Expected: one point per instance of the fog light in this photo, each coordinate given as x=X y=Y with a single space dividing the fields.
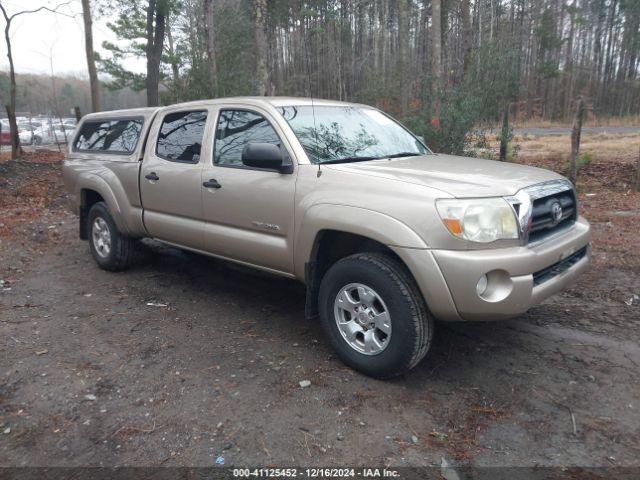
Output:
x=481 y=286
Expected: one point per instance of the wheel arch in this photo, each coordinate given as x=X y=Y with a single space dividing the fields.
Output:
x=332 y=232
x=95 y=189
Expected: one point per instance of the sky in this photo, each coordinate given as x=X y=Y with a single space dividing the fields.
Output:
x=37 y=38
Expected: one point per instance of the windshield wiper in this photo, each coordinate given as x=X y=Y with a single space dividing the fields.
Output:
x=364 y=159
x=404 y=154
x=349 y=160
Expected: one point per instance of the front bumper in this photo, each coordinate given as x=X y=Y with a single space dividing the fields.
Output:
x=518 y=277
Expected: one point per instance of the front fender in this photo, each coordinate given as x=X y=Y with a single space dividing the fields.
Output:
x=356 y=220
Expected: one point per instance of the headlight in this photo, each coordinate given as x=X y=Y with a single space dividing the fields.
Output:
x=481 y=220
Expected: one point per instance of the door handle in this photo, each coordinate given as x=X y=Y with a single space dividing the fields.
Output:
x=152 y=176
x=213 y=183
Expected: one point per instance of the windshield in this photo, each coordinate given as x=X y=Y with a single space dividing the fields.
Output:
x=349 y=134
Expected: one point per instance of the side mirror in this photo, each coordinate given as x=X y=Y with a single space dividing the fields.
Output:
x=267 y=156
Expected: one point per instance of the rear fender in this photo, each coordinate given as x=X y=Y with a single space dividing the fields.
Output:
x=124 y=215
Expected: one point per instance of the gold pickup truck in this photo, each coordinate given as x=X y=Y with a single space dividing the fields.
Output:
x=386 y=235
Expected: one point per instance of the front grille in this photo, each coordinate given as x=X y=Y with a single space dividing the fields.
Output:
x=543 y=222
x=557 y=268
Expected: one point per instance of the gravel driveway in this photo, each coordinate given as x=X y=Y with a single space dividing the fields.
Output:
x=183 y=360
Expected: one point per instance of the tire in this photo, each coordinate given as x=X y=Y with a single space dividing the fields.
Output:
x=36 y=141
x=119 y=254
x=410 y=325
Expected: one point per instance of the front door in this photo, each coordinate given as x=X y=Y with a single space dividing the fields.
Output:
x=170 y=178
x=248 y=212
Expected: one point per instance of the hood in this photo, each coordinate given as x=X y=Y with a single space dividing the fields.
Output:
x=458 y=176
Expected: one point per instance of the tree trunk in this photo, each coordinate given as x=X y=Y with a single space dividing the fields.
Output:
x=466 y=34
x=175 y=68
x=262 y=74
x=436 y=61
x=403 y=44
x=575 y=140
x=210 y=47
x=155 y=40
x=16 y=151
x=568 y=88
x=91 y=60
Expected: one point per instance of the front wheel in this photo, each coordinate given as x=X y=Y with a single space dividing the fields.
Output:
x=111 y=249
x=374 y=315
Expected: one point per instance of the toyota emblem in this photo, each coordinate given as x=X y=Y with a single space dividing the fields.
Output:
x=556 y=212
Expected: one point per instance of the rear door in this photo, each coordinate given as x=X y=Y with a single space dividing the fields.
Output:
x=249 y=212
x=170 y=177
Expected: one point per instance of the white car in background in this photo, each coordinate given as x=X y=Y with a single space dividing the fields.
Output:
x=45 y=134
x=26 y=131
x=63 y=133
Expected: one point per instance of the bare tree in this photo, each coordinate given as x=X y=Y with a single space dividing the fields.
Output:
x=174 y=62
x=16 y=150
x=91 y=58
x=467 y=35
x=210 y=47
x=156 y=22
x=262 y=74
x=403 y=50
x=436 y=61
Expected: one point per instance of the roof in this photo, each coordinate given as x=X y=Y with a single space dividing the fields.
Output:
x=129 y=112
x=273 y=101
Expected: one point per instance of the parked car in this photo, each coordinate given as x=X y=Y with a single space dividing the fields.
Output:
x=5 y=136
x=62 y=133
x=26 y=132
x=386 y=235
x=46 y=134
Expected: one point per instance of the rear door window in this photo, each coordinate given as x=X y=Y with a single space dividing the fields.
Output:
x=180 y=136
x=113 y=136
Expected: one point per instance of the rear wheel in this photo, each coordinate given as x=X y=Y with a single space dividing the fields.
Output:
x=374 y=315
x=36 y=140
x=110 y=249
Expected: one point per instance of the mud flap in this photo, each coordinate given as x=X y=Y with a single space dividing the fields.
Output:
x=311 y=279
x=82 y=218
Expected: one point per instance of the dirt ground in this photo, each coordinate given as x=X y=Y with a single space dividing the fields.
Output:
x=183 y=359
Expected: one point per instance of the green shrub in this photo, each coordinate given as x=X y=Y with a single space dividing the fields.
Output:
x=585 y=159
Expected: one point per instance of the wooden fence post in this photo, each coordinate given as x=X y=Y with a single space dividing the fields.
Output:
x=575 y=140
x=638 y=173
x=504 y=135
